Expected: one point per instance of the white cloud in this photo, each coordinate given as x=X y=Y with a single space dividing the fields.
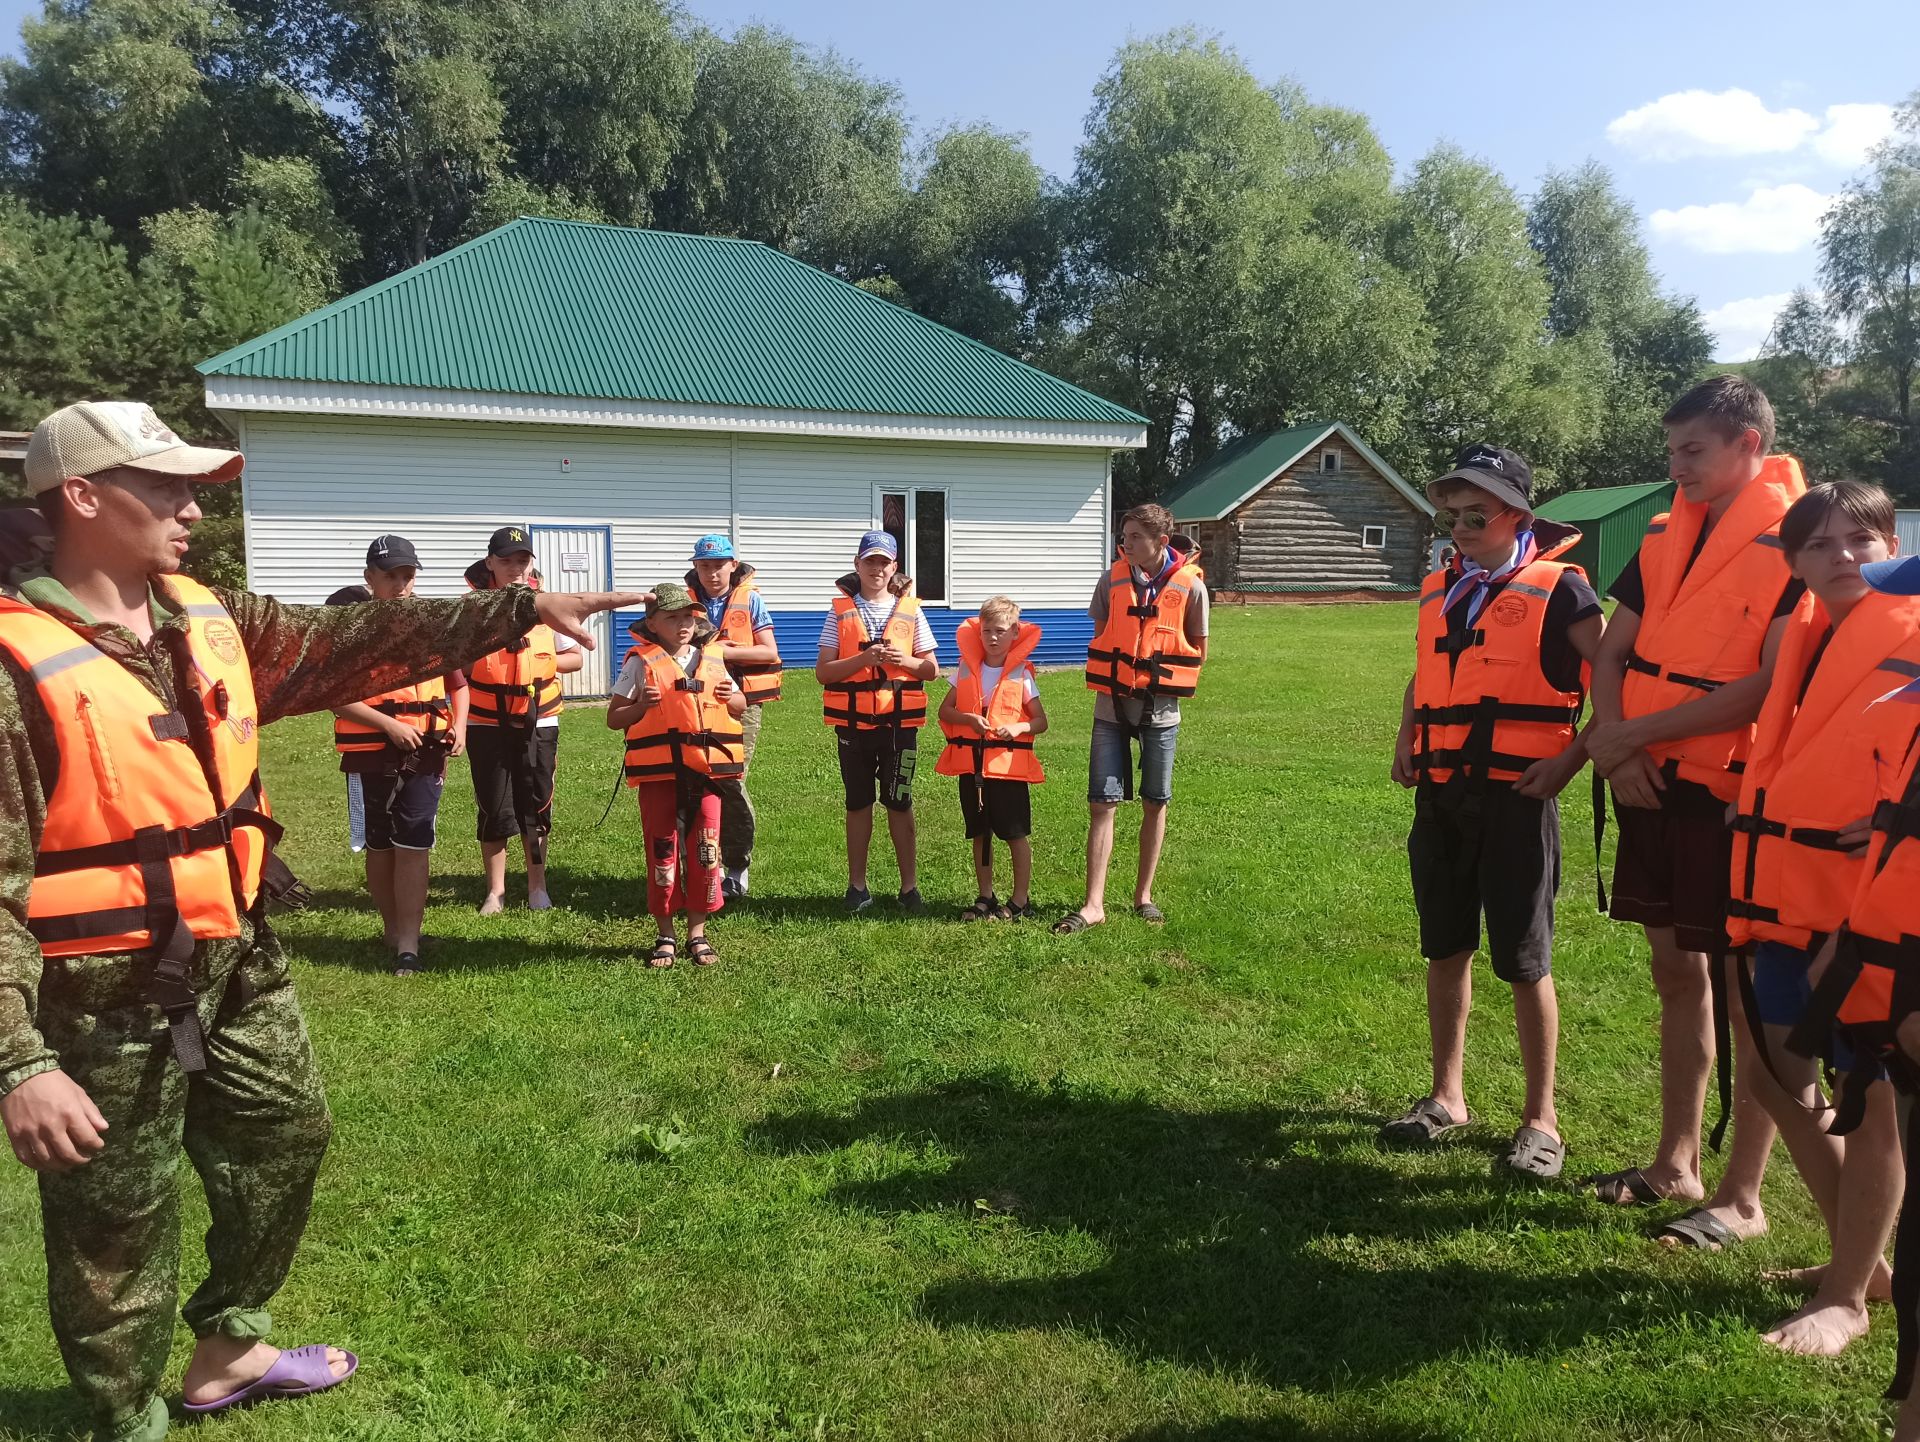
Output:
x=1773 y=220
x=1853 y=130
x=1740 y=325
x=1690 y=123
x=1695 y=124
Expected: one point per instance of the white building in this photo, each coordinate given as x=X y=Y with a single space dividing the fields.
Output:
x=626 y=391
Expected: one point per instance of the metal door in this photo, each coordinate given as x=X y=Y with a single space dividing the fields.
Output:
x=580 y=558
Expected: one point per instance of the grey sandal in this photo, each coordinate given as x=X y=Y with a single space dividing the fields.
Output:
x=1421 y=1125
x=1698 y=1230
x=1535 y=1154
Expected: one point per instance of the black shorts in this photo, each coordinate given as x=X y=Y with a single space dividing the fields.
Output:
x=991 y=804
x=1495 y=853
x=512 y=786
x=878 y=763
x=1674 y=865
x=402 y=809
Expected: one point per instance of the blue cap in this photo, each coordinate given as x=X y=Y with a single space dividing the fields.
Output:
x=713 y=548
x=1898 y=577
x=877 y=543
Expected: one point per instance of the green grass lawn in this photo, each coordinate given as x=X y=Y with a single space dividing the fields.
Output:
x=888 y=1179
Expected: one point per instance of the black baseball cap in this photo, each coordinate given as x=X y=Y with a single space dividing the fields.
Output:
x=510 y=541
x=1495 y=470
x=389 y=553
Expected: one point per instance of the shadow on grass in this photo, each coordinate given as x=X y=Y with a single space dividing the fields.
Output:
x=1276 y=1243
x=41 y=1414
x=1282 y=1429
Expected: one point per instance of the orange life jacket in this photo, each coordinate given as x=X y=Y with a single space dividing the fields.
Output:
x=1482 y=704
x=1820 y=754
x=759 y=681
x=967 y=752
x=1143 y=649
x=893 y=696
x=1705 y=624
x=689 y=732
x=423 y=706
x=517 y=684
x=156 y=815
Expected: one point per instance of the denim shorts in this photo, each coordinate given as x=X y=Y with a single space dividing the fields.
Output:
x=1110 y=763
x=1782 y=991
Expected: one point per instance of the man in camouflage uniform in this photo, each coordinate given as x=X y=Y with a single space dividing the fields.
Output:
x=91 y=1093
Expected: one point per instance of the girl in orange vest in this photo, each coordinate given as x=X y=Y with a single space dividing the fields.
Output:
x=990 y=716
x=1824 y=741
x=681 y=711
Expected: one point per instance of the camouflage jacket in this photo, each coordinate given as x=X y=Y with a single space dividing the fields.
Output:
x=304 y=658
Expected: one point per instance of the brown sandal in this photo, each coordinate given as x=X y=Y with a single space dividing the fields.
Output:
x=663 y=953
x=700 y=951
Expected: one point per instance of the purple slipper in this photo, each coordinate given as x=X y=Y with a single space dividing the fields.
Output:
x=294 y=1373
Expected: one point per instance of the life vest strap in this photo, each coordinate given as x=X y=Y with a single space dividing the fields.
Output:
x=413 y=708
x=214 y=832
x=1456 y=642
x=1752 y=911
x=880 y=683
x=170 y=726
x=1470 y=711
x=1813 y=837
x=1637 y=662
x=1466 y=758
x=1898 y=820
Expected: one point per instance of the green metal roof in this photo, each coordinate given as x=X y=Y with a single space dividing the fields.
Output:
x=1599 y=502
x=1231 y=475
x=563 y=308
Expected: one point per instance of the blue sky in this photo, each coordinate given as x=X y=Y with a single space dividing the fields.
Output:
x=1727 y=143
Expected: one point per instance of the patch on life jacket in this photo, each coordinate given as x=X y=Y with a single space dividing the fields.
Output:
x=1508 y=611
x=224 y=640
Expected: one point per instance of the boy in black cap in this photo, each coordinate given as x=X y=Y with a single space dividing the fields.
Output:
x=395 y=746
x=1488 y=739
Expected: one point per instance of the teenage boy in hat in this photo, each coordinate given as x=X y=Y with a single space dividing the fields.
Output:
x=395 y=746
x=128 y=1031
x=1488 y=739
x=724 y=585
x=1686 y=663
x=513 y=729
x=876 y=657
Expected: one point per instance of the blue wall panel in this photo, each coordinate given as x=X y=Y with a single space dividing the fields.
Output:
x=1063 y=640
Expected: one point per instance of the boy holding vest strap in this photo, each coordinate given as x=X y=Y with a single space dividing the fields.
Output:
x=724 y=586
x=1149 y=615
x=682 y=714
x=1824 y=742
x=145 y=1004
x=1488 y=739
x=1687 y=660
x=876 y=657
x=396 y=746
x=513 y=737
x=991 y=715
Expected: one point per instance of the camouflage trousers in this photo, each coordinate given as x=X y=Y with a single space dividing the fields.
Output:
x=737 y=820
x=255 y=1126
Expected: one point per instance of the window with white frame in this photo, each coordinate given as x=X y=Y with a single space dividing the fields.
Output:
x=917 y=519
x=1374 y=538
x=1329 y=460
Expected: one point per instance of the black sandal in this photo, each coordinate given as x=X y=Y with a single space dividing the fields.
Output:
x=700 y=951
x=1698 y=1230
x=665 y=950
x=1623 y=1188
x=982 y=908
x=1020 y=913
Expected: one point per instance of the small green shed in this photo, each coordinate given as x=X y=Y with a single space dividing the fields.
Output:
x=1612 y=520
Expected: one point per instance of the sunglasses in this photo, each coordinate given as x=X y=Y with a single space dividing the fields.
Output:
x=1445 y=520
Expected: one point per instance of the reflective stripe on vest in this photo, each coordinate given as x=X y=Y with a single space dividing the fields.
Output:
x=891 y=696
x=690 y=731
x=517 y=684
x=1481 y=702
x=1817 y=763
x=1705 y=624
x=423 y=706
x=1143 y=649
x=968 y=753
x=157 y=821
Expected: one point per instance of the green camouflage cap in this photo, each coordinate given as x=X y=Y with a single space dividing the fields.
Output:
x=671 y=596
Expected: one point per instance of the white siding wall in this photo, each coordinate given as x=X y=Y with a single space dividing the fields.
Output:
x=1025 y=520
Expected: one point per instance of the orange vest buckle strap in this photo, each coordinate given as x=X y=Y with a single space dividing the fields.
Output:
x=516 y=685
x=895 y=697
x=1143 y=649
x=423 y=706
x=689 y=734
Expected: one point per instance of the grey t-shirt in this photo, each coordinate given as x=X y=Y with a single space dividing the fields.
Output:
x=1148 y=710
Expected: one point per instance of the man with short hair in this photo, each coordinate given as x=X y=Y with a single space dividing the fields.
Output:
x=1150 y=640
x=144 y=1001
x=1678 y=681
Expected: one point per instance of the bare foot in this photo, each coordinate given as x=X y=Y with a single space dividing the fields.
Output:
x=539 y=901
x=221 y=1366
x=1808 y=1279
x=1745 y=1223
x=493 y=905
x=1819 y=1329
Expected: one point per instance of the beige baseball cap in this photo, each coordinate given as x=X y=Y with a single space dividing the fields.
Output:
x=94 y=436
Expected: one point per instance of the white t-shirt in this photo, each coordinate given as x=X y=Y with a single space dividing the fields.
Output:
x=561 y=645
x=875 y=615
x=990 y=677
x=628 y=686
